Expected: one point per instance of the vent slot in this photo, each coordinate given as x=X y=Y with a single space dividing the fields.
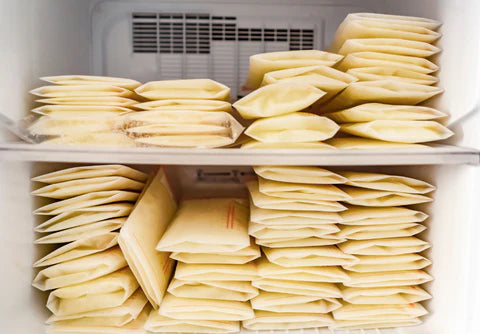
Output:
x=191 y=33
x=265 y=35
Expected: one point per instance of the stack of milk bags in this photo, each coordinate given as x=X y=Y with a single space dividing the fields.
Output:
x=184 y=113
x=93 y=290
x=211 y=287
x=294 y=216
x=389 y=56
x=291 y=82
x=383 y=288
x=85 y=110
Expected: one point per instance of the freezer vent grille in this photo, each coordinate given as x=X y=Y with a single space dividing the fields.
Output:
x=193 y=33
x=171 y=33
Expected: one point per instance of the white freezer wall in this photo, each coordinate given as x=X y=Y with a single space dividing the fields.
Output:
x=38 y=38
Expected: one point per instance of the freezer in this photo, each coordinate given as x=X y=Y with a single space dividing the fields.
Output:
x=211 y=43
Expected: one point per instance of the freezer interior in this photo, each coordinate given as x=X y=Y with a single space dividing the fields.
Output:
x=53 y=37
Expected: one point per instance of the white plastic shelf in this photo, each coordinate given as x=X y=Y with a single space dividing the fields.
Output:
x=436 y=155
x=324 y=331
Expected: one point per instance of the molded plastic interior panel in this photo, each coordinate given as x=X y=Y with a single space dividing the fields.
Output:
x=39 y=38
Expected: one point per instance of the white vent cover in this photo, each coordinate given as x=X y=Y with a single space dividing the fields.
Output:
x=192 y=33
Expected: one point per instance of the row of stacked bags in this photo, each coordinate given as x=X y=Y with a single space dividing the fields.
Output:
x=278 y=107
x=92 y=289
x=211 y=288
x=390 y=56
x=184 y=113
x=371 y=86
x=83 y=110
x=339 y=249
x=107 y=111
x=296 y=228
